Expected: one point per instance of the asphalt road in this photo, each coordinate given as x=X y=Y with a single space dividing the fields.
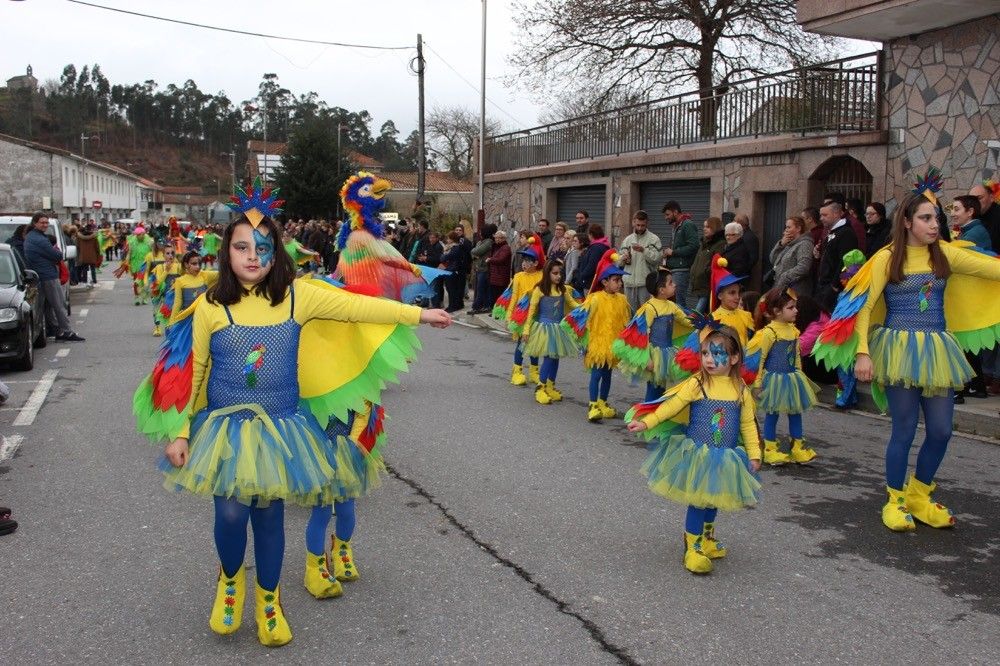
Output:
x=506 y=532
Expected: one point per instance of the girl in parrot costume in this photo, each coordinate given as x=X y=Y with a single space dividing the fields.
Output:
x=513 y=304
x=904 y=320
x=648 y=345
x=187 y=287
x=238 y=390
x=543 y=336
x=138 y=245
x=162 y=284
x=210 y=246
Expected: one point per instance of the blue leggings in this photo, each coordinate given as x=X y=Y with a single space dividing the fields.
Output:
x=268 y=537
x=696 y=518
x=550 y=368
x=319 y=519
x=600 y=383
x=904 y=405
x=653 y=392
x=519 y=356
x=771 y=426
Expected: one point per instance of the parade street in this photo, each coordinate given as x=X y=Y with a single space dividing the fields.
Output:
x=506 y=532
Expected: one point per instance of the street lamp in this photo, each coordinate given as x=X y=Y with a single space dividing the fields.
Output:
x=83 y=156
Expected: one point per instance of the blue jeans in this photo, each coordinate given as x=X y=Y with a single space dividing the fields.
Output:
x=682 y=278
x=479 y=301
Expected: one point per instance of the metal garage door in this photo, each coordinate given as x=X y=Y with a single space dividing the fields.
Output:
x=692 y=195
x=775 y=214
x=591 y=198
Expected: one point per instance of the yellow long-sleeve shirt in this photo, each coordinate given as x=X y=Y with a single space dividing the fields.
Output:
x=609 y=314
x=715 y=388
x=165 y=269
x=657 y=307
x=765 y=338
x=522 y=284
x=187 y=281
x=740 y=320
x=962 y=262
x=536 y=298
x=311 y=302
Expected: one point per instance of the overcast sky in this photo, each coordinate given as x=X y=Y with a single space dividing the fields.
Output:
x=48 y=34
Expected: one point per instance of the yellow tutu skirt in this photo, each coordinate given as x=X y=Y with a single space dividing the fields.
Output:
x=931 y=360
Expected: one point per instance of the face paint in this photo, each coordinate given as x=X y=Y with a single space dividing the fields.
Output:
x=719 y=354
x=265 y=248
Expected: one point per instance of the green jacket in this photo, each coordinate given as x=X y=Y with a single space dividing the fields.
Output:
x=685 y=245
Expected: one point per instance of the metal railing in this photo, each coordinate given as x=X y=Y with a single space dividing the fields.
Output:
x=833 y=97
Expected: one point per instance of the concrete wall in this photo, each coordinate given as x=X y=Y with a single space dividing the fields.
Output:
x=943 y=96
x=27 y=175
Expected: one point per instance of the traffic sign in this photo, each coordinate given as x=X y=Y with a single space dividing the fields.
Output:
x=96 y=204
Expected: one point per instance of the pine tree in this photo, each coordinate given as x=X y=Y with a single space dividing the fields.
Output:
x=310 y=174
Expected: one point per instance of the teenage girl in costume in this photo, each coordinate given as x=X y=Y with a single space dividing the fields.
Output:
x=550 y=301
x=251 y=444
x=781 y=387
x=933 y=295
x=705 y=467
x=597 y=324
x=646 y=346
x=513 y=304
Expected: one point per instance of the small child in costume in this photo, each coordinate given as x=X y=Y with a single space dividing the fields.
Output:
x=847 y=383
x=137 y=246
x=513 y=305
x=162 y=284
x=545 y=338
x=210 y=246
x=781 y=387
x=647 y=346
x=597 y=324
x=724 y=300
x=187 y=287
x=705 y=466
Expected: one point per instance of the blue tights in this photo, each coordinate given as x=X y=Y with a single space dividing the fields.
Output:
x=904 y=405
x=549 y=370
x=519 y=356
x=653 y=392
x=771 y=426
x=600 y=383
x=696 y=518
x=320 y=519
x=268 y=537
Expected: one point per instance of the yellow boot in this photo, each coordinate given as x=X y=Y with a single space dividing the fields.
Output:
x=772 y=456
x=344 y=567
x=272 y=627
x=517 y=377
x=923 y=508
x=607 y=411
x=541 y=396
x=550 y=389
x=895 y=515
x=157 y=331
x=533 y=375
x=801 y=453
x=712 y=548
x=318 y=580
x=230 y=595
x=594 y=413
x=695 y=560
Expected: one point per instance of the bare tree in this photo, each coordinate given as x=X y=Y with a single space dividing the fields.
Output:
x=656 y=47
x=452 y=132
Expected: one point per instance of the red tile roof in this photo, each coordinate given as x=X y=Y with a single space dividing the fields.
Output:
x=182 y=189
x=435 y=181
x=269 y=147
x=363 y=161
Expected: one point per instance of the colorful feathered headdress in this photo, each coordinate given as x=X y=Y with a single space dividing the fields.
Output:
x=721 y=278
x=534 y=250
x=606 y=267
x=929 y=185
x=255 y=202
x=993 y=187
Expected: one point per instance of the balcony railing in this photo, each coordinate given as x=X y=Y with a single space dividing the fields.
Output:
x=833 y=97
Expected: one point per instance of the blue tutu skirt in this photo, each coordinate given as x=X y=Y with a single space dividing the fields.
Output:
x=549 y=341
x=244 y=453
x=786 y=393
x=689 y=473
x=931 y=360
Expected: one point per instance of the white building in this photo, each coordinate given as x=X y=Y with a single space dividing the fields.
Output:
x=38 y=177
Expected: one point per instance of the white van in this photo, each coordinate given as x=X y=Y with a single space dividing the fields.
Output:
x=10 y=222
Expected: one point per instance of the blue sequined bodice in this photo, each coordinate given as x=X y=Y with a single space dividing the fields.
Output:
x=189 y=294
x=916 y=303
x=781 y=358
x=550 y=309
x=715 y=422
x=274 y=382
x=661 y=334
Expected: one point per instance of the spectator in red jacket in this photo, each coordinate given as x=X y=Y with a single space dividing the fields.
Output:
x=499 y=265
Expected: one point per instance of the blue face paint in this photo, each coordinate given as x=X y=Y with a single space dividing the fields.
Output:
x=719 y=354
x=265 y=248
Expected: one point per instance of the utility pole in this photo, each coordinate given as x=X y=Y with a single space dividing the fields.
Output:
x=422 y=165
x=481 y=213
x=340 y=128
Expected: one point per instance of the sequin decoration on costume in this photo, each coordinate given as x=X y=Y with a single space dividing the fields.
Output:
x=925 y=294
x=718 y=423
x=269 y=611
x=230 y=602
x=254 y=362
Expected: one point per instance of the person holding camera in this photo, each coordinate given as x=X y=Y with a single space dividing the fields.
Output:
x=639 y=255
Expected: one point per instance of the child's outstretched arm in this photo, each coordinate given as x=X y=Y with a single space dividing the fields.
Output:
x=683 y=396
x=313 y=302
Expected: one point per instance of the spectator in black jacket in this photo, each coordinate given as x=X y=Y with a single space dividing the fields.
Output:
x=736 y=252
x=877 y=228
x=840 y=239
x=584 y=275
x=16 y=240
x=429 y=252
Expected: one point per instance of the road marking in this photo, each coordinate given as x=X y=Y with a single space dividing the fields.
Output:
x=62 y=353
x=84 y=312
x=37 y=398
x=500 y=333
x=9 y=446
x=20 y=381
x=107 y=285
x=79 y=321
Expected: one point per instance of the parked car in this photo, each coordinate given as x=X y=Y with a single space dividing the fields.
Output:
x=10 y=222
x=22 y=322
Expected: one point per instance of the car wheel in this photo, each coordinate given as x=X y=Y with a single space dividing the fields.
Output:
x=26 y=361
x=42 y=338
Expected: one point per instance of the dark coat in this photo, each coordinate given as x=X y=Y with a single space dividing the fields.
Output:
x=585 y=270
x=701 y=269
x=991 y=220
x=41 y=256
x=499 y=264
x=838 y=243
x=738 y=256
x=87 y=251
x=876 y=237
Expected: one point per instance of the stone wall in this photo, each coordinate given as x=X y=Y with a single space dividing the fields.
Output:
x=25 y=178
x=943 y=97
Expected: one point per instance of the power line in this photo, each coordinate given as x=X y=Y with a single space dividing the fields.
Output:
x=472 y=85
x=240 y=32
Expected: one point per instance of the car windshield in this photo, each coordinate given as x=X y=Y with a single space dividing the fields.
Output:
x=7 y=231
x=8 y=269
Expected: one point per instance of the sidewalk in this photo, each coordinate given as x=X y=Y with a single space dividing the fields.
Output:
x=975 y=417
